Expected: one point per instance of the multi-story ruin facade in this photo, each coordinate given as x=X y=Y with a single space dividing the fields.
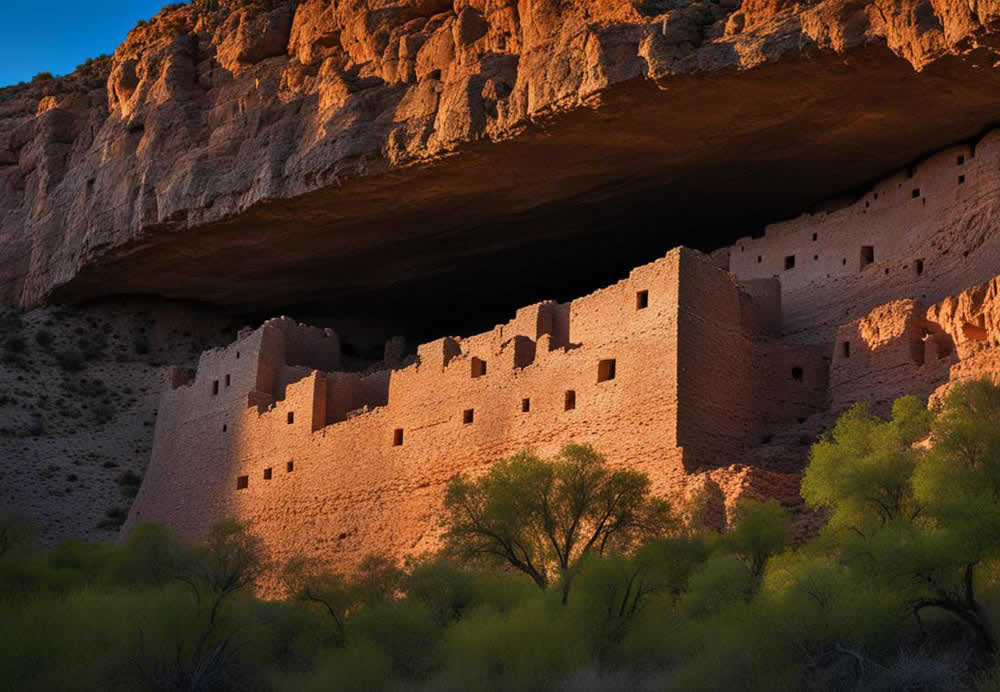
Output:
x=688 y=370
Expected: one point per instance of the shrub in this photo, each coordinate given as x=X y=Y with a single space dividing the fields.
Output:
x=113 y=519
x=450 y=591
x=14 y=344
x=70 y=361
x=103 y=413
x=129 y=482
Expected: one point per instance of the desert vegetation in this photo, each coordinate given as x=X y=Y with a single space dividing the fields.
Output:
x=898 y=590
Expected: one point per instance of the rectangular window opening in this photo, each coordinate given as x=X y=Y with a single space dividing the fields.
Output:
x=641 y=300
x=960 y=160
x=227 y=380
x=478 y=367
x=291 y=417
x=606 y=370
x=961 y=180
x=242 y=482
x=916 y=193
x=468 y=415
x=215 y=387
x=918 y=266
x=525 y=405
x=790 y=262
x=290 y=466
x=867 y=255
x=815 y=236
x=397 y=437
x=570 y=401
x=845 y=349
x=268 y=474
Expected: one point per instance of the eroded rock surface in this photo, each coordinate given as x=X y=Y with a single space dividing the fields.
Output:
x=261 y=154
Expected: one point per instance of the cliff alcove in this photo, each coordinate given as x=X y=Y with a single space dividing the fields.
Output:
x=449 y=163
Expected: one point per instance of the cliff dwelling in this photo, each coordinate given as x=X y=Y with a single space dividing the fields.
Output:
x=467 y=206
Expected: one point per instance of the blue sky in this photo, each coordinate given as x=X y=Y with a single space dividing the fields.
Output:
x=56 y=36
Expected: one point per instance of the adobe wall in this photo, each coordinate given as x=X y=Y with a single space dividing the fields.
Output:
x=931 y=229
x=734 y=382
x=338 y=465
x=717 y=377
x=903 y=348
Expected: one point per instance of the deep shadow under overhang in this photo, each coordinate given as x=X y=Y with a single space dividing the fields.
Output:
x=571 y=204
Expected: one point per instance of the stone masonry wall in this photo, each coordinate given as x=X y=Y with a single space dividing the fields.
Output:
x=925 y=233
x=903 y=348
x=336 y=465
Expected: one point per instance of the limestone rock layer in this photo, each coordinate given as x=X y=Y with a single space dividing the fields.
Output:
x=285 y=151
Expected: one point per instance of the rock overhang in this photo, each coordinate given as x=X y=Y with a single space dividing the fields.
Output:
x=696 y=146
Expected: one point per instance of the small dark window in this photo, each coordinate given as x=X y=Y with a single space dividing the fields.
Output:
x=919 y=266
x=570 y=402
x=960 y=160
x=875 y=196
x=790 y=262
x=867 y=255
x=797 y=373
x=478 y=367
x=268 y=474
x=844 y=261
x=242 y=482
x=641 y=300
x=291 y=417
x=227 y=380
x=215 y=387
x=961 y=180
x=759 y=259
x=290 y=466
x=916 y=193
x=845 y=349
x=224 y=427
x=815 y=258
x=525 y=405
x=815 y=236
x=237 y=355
x=606 y=370
x=397 y=437
x=468 y=415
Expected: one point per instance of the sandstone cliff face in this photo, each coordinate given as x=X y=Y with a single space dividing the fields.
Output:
x=256 y=153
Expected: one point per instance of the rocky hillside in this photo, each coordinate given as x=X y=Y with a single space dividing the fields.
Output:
x=261 y=153
x=79 y=389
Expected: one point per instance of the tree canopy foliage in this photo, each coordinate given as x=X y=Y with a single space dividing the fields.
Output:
x=899 y=590
x=543 y=516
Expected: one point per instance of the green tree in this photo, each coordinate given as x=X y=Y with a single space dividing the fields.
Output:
x=307 y=581
x=921 y=514
x=958 y=488
x=542 y=516
x=759 y=531
x=861 y=470
x=16 y=532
